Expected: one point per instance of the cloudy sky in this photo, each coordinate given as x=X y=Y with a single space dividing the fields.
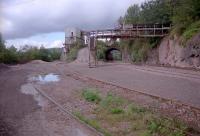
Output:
x=37 y=22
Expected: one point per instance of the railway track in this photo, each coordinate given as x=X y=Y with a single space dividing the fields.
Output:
x=67 y=111
x=168 y=72
x=196 y=110
x=78 y=76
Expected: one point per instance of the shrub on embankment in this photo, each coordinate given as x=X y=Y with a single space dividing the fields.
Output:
x=13 y=56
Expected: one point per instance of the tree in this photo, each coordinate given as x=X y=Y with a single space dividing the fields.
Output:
x=186 y=11
x=156 y=11
x=2 y=49
x=2 y=45
x=120 y=21
x=132 y=15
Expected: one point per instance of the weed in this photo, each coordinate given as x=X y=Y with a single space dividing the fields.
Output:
x=91 y=95
x=136 y=109
x=111 y=101
x=164 y=127
x=116 y=110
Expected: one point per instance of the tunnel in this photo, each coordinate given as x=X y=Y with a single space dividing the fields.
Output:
x=113 y=54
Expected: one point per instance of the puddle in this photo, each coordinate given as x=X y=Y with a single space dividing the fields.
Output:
x=28 y=89
x=51 y=77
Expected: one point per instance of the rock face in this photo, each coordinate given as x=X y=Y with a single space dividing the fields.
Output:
x=172 y=53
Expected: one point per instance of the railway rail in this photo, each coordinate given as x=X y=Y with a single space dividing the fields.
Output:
x=78 y=76
x=67 y=111
x=196 y=110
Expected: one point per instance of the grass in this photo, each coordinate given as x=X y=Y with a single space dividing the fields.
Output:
x=91 y=95
x=117 y=116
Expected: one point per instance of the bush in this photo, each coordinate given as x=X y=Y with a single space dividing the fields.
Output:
x=163 y=126
x=72 y=54
x=27 y=53
x=101 y=48
x=139 y=50
x=91 y=95
x=192 y=30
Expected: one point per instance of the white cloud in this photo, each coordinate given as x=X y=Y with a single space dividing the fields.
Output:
x=24 y=18
x=56 y=44
x=22 y=42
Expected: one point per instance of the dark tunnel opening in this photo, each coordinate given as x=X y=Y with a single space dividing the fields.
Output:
x=113 y=54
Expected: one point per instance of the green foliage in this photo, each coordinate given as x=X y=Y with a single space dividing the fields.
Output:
x=116 y=110
x=11 y=55
x=2 y=49
x=186 y=11
x=155 y=11
x=162 y=126
x=55 y=53
x=132 y=14
x=183 y=14
x=111 y=101
x=101 y=48
x=192 y=30
x=139 y=50
x=27 y=53
x=91 y=95
x=186 y=18
x=136 y=109
x=152 y=11
x=72 y=55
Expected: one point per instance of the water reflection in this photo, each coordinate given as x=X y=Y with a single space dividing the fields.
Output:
x=51 y=77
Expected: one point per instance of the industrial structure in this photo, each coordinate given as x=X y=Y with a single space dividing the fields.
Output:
x=129 y=31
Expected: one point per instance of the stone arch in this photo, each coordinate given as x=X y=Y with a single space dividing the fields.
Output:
x=109 y=55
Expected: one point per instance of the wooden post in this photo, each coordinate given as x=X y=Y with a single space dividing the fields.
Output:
x=154 y=30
